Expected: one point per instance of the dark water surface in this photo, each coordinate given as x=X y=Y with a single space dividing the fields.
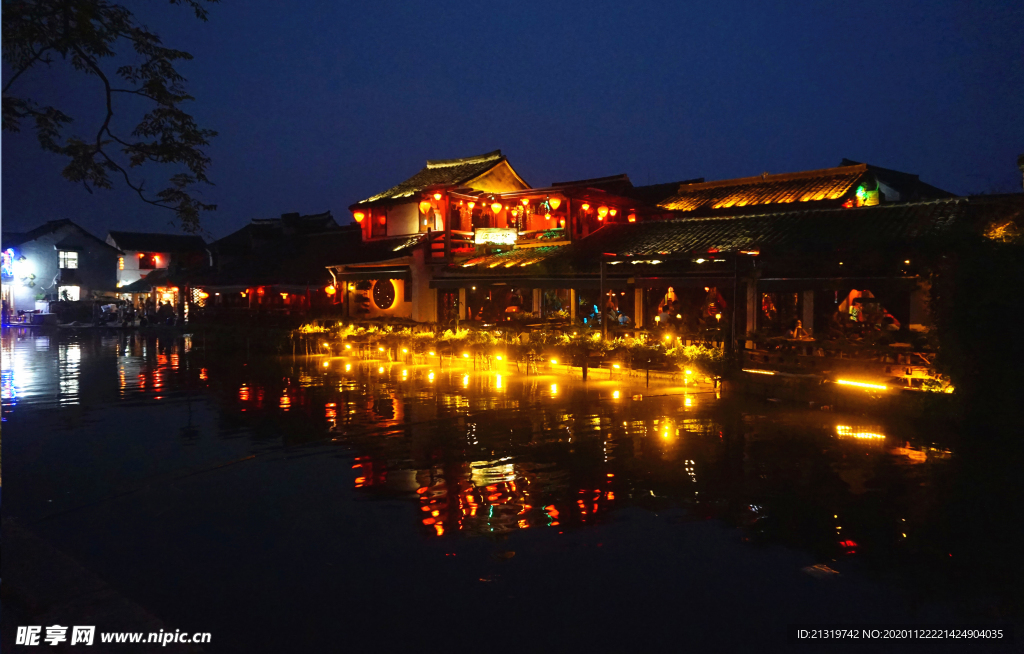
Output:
x=318 y=505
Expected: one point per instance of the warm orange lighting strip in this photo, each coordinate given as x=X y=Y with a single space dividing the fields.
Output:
x=759 y=372
x=844 y=430
x=874 y=387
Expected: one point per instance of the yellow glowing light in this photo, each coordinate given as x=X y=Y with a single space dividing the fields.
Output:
x=347 y=346
x=613 y=212
x=327 y=364
x=907 y=261
x=688 y=401
x=465 y=381
x=381 y=369
x=348 y=366
x=602 y=212
x=847 y=431
x=437 y=196
x=615 y=395
x=554 y=389
x=498 y=380
x=554 y=362
x=498 y=357
x=759 y=372
x=424 y=206
x=554 y=203
x=330 y=290
x=405 y=350
x=688 y=372
x=668 y=338
x=380 y=349
x=631 y=217
x=547 y=216
x=431 y=353
x=358 y=215
x=525 y=201
x=496 y=207
x=465 y=355
x=874 y=387
x=471 y=205
x=615 y=365
x=430 y=375
x=585 y=206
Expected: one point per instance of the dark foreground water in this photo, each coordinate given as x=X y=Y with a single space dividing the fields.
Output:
x=311 y=504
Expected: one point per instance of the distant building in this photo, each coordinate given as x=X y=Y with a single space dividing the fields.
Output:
x=56 y=261
x=276 y=265
x=145 y=252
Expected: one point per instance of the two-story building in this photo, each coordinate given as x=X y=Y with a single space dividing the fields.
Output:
x=144 y=252
x=58 y=260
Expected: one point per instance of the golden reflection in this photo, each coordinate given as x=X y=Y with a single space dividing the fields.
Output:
x=846 y=431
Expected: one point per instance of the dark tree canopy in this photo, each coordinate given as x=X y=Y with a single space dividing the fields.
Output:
x=94 y=37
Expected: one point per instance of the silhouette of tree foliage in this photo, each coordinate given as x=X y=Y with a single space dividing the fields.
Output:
x=103 y=40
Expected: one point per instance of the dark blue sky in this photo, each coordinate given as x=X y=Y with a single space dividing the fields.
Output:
x=320 y=104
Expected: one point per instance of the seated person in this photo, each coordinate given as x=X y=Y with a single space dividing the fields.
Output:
x=799 y=332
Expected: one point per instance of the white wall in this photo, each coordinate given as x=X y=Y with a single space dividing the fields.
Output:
x=404 y=219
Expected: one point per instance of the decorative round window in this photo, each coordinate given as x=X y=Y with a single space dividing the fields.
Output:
x=384 y=293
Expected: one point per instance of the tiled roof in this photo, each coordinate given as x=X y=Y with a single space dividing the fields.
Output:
x=441 y=172
x=503 y=261
x=782 y=237
x=733 y=194
x=855 y=229
x=148 y=242
x=908 y=185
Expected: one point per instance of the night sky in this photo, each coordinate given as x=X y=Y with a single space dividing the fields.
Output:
x=321 y=104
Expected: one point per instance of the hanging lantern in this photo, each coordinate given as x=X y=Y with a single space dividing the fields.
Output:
x=525 y=201
x=330 y=290
x=554 y=203
x=383 y=220
x=547 y=216
x=471 y=205
x=612 y=212
x=631 y=217
x=561 y=222
x=424 y=206
x=358 y=215
x=602 y=212
x=585 y=207
x=496 y=207
x=437 y=196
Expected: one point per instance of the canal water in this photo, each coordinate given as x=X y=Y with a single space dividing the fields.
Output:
x=319 y=504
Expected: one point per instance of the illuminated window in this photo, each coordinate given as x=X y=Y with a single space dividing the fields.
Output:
x=120 y=263
x=68 y=259
x=69 y=293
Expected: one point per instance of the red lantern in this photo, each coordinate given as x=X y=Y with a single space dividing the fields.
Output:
x=383 y=220
x=358 y=215
x=631 y=217
x=424 y=206
x=330 y=290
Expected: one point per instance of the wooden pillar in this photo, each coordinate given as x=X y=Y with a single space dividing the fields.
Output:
x=638 y=306
x=462 y=304
x=446 y=219
x=808 y=311
x=538 y=302
x=568 y=219
x=752 y=308
x=572 y=304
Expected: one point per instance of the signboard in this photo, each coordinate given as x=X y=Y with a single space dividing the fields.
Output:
x=8 y=263
x=495 y=236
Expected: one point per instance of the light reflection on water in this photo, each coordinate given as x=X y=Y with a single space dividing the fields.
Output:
x=488 y=451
